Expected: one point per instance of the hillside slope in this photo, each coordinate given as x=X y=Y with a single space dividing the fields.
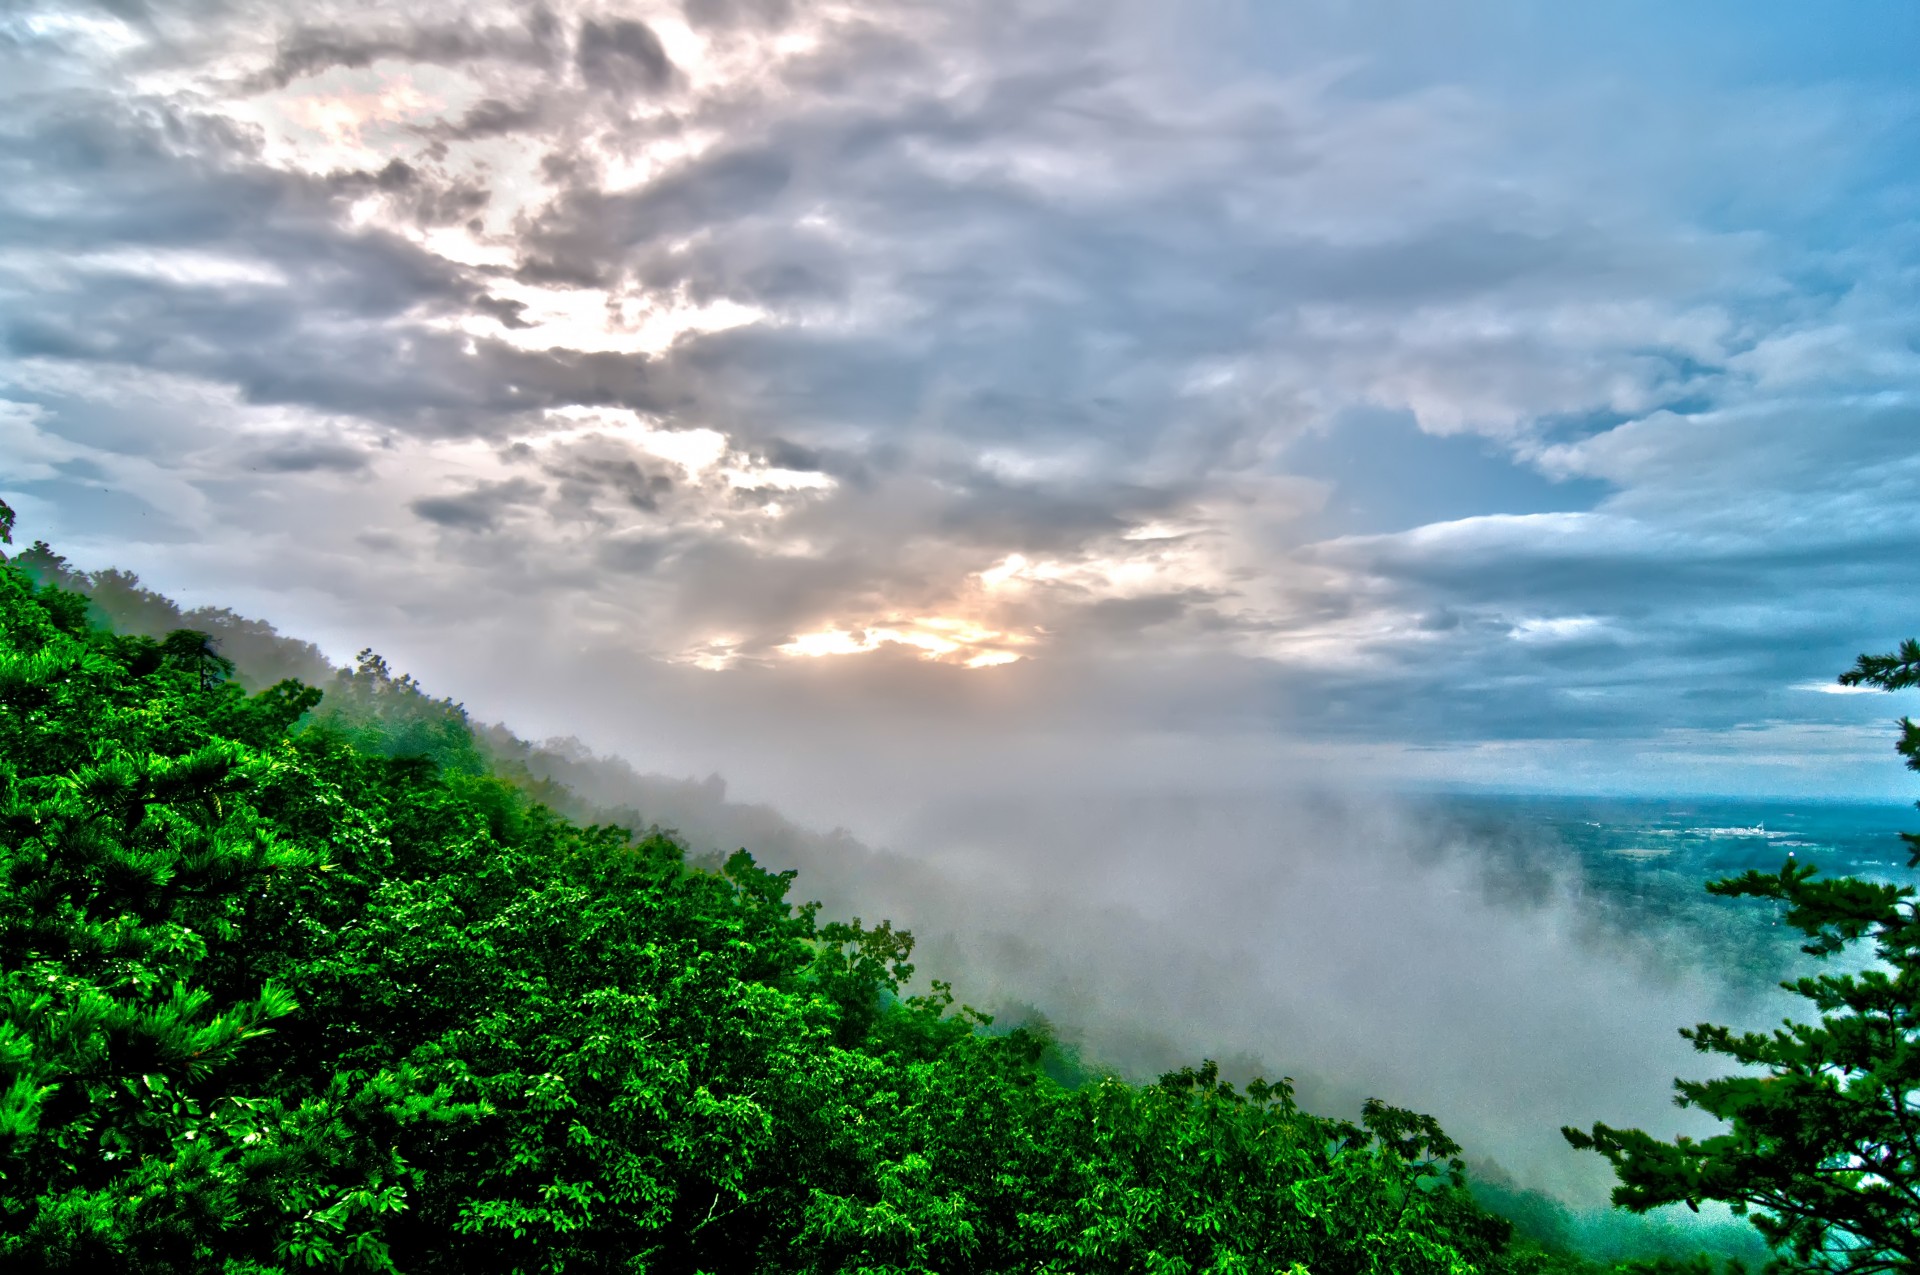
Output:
x=287 y=989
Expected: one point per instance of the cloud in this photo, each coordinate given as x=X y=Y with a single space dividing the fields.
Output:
x=492 y=117
x=756 y=14
x=309 y=50
x=308 y=457
x=479 y=509
x=1030 y=322
x=621 y=56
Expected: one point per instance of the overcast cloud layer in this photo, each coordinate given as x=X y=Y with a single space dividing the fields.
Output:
x=851 y=397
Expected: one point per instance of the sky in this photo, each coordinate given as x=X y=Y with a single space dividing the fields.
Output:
x=915 y=398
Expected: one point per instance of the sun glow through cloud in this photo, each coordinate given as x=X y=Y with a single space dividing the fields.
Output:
x=941 y=639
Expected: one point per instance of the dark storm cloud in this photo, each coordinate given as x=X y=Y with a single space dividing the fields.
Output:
x=622 y=56
x=781 y=267
x=422 y=200
x=429 y=383
x=313 y=457
x=492 y=118
x=584 y=478
x=479 y=509
x=586 y=234
x=986 y=509
x=310 y=50
x=505 y=312
x=780 y=453
x=157 y=177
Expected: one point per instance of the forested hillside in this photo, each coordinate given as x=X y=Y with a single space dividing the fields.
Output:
x=294 y=980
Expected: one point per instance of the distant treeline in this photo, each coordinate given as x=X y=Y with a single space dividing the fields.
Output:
x=302 y=978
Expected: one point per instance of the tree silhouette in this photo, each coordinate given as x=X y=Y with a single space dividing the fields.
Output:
x=197 y=653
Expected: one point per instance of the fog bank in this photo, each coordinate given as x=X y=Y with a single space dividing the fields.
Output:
x=1361 y=944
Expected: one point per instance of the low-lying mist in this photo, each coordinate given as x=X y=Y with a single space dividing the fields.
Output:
x=1362 y=945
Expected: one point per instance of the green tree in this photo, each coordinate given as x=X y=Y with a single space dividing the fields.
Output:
x=1823 y=1149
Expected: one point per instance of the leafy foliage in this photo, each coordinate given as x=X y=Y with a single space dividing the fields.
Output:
x=292 y=984
x=1824 y=1144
